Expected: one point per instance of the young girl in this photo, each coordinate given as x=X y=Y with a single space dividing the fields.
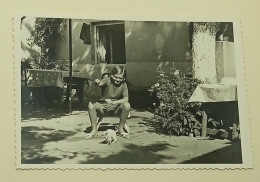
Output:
x=114 y=100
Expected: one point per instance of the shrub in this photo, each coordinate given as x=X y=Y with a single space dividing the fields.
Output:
x=45 y=35
x=173 y=114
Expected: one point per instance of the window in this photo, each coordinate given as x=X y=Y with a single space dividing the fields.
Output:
x=109 y=38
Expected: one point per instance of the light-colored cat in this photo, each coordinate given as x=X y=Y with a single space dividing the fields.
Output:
x=110 y=136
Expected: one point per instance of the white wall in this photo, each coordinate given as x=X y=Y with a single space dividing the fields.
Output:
x=225 y=60
x=27 y=25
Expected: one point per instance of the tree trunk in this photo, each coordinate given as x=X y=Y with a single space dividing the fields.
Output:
x=203 y=52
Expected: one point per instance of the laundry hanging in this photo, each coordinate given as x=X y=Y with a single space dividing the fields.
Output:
x=85 y=34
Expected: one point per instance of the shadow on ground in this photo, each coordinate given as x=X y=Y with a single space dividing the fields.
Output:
x=133 y=154
x=33 y=140
x=46 y=113
x=228 y=155
x=62 y=141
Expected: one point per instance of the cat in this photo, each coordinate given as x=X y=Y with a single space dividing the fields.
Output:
x=110 y=136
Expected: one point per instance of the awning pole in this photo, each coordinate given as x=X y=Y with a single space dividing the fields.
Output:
x=70 y=60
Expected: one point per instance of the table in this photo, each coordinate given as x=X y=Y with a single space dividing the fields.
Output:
x=214 y=93
x=43 y=78
x=78 y=82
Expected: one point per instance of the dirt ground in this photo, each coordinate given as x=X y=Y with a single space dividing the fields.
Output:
x=51 y=137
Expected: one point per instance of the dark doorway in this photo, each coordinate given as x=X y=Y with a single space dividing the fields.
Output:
x=110 y=43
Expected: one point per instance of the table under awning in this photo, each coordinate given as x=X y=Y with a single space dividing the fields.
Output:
x=45 y=85
x=44 y=78
x=224 y=92
x=214 y=93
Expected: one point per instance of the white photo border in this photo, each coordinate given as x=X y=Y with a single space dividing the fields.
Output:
x=247 y=158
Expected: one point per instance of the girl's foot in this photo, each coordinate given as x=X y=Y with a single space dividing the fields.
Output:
x=123 y=135
x=126 y=128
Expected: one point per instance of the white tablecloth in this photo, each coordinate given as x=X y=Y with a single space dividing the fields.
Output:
x=41 y=78
x=214 y=93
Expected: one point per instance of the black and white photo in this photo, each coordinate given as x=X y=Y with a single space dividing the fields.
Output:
x=112 y=93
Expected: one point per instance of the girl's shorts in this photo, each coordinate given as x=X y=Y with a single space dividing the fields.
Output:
x=110 y=109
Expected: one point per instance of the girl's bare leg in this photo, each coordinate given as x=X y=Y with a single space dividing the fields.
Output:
x=92 y=110
x=125 y=109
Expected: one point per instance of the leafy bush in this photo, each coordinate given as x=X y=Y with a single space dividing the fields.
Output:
x=173 y=114
x=46 y=33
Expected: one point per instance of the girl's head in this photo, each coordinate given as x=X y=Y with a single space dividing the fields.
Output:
x=118 y=75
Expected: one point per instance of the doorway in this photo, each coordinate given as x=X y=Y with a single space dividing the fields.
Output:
x=110 y=43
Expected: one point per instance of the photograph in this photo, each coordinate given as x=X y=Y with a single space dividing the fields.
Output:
x=135 y=93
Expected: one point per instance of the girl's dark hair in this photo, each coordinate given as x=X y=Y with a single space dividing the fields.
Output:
x=119 y=70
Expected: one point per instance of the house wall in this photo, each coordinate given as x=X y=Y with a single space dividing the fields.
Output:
x=150 y=45
x=225 y=60
x=229 y=59
x=82 y=54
